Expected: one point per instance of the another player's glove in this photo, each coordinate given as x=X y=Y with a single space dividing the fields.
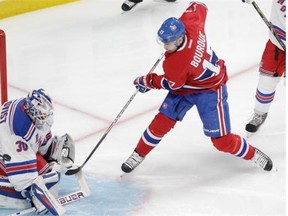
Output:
x=247 y=1
x=144 y=83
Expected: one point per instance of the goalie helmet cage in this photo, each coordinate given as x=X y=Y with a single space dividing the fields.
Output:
x=3 y=68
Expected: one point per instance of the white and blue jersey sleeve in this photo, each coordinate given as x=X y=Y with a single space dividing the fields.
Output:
x=278 y=21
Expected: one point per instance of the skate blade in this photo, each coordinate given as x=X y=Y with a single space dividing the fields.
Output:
x=274 y=168
x=249 y=134
x=123 y=175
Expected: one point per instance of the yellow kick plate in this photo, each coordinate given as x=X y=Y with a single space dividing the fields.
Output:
x=10 y=8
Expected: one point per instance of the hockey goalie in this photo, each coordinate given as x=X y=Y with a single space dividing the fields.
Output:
x=31 y=159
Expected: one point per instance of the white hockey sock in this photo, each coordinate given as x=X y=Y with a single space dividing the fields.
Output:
x=265 y=93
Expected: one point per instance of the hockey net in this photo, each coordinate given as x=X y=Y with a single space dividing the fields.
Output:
x=3 y=68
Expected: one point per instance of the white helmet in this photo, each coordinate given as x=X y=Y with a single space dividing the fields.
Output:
x=39 y=107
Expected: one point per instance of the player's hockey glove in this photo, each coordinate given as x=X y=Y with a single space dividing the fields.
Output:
x=247 y=1
x=144 y=83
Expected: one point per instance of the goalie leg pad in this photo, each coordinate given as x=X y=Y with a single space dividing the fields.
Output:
x=43 y=199
x=51 y=181
x=10 y=198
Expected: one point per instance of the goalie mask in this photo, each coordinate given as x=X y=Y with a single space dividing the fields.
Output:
x=39 y=107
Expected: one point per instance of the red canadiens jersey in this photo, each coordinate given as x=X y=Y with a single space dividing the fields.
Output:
x=194 y=67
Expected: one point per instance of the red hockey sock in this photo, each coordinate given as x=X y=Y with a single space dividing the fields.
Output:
x=159 y=126
x=234 y=144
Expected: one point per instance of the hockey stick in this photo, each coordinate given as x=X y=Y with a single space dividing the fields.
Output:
x=83 y=192
x=269 y=25
x=73 y=171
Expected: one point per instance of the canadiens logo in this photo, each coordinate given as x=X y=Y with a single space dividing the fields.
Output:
x=164 y=105
x=173 y=27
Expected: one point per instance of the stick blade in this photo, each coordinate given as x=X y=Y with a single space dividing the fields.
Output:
x=74 y=170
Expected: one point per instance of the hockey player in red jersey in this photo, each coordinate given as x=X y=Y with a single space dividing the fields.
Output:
x=193 y=76
x=272 y=67
x=31 y=159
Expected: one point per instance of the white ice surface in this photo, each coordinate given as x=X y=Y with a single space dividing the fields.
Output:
x=86 y=55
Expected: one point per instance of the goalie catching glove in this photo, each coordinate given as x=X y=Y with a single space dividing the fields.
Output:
x=63 y=150
x=144 y=83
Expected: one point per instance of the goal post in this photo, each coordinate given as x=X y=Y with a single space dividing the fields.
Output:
x=3 y=68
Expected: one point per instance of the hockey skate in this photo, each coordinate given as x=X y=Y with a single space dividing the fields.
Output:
x=262 y=160
x=132 y=162
x=129 y=4
x=256 y=121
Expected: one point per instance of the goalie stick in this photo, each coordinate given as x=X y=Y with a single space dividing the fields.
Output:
x=269 y=25
x=75 y=170
x=83 y=192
